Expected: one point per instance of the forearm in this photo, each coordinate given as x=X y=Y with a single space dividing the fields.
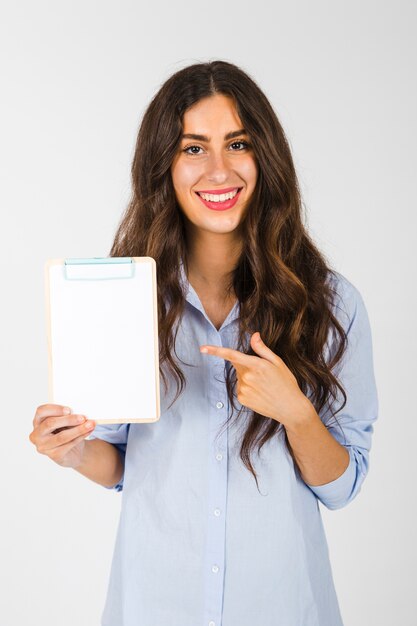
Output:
x=102 y=463
x=320 y=458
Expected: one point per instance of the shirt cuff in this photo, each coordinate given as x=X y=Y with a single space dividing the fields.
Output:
x=337 y=493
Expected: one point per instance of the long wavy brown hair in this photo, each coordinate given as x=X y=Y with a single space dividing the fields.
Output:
x=281 y=279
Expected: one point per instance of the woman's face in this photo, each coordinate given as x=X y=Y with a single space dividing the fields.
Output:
x=214 y=162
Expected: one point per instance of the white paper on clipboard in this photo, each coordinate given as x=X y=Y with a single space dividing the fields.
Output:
x=102 y=333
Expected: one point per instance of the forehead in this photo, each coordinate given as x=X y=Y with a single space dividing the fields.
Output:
x=217 y=112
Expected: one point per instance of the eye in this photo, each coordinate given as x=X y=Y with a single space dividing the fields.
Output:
x=189 y=148
x=243 y=143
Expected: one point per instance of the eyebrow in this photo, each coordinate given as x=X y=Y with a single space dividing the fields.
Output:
x=231 y=135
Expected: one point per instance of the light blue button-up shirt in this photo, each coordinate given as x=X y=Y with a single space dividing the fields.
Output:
x=197 y=544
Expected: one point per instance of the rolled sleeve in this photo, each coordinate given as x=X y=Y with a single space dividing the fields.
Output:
x=354 y=426
x=117 y=434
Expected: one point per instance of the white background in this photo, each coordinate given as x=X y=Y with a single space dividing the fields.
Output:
x=76 y=78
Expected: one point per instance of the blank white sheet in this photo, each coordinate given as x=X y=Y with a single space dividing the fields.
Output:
x=103 y=339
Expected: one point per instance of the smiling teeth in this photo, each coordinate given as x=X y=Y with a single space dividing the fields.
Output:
x=218 y=197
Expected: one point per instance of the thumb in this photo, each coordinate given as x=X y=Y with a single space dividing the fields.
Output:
x=261 y=349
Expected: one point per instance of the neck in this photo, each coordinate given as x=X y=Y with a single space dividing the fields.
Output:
x=211 y=259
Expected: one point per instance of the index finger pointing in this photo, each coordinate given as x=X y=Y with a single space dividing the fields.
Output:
x=234 y=356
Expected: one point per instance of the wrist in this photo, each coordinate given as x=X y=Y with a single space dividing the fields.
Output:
x=306 y=417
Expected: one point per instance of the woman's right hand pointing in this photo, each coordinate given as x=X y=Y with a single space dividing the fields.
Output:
x=60 y=434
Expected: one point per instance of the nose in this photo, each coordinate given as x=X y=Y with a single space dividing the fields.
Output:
x=217 y=170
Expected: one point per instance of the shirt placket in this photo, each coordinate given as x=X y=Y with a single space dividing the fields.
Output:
x=217 y=489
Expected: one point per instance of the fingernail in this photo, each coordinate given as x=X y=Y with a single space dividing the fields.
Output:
x=203 y=350
x=67 y=410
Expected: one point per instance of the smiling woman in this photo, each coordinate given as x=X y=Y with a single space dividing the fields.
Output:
x=220 y=523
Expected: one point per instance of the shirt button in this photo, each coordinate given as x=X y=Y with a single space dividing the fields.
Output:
x=219 y=456
x=215 y=569
x=217 y=512
x=219 y=405
x=211 y=624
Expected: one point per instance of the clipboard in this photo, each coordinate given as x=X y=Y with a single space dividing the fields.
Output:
x=102 y=337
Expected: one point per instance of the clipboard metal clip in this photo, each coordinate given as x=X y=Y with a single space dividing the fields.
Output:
x=99 y=268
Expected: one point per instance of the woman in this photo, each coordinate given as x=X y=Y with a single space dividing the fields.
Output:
x=220 y=522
